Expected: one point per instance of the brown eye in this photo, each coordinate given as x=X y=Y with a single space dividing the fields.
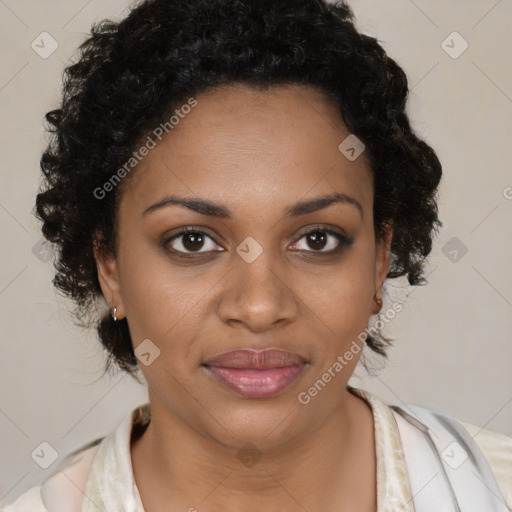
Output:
x=193 y=241
x=190 y=241
x=316 y=240
x=322 y=241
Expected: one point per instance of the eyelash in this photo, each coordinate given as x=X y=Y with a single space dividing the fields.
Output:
x=343 y=241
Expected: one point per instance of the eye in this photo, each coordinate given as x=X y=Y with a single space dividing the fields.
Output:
x=190 y=241
x=320 y=238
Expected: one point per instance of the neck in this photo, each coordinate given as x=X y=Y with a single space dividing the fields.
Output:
x=333 y=464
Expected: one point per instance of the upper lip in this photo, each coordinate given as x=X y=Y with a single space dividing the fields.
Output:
x=256 y=359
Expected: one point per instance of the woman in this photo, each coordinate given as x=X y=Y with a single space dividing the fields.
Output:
x=237 y=180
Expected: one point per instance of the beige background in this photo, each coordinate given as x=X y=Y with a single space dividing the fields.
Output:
x=454 y=349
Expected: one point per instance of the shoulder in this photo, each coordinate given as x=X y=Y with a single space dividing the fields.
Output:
x=497 y=449
x=29 y=501
x=63 y=490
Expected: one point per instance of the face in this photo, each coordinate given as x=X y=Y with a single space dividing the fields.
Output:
x=263 y=266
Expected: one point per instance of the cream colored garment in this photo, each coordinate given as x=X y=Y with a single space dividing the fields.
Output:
x=111 y=487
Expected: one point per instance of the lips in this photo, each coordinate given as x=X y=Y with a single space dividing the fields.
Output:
x=256 y=359
x=256 y=374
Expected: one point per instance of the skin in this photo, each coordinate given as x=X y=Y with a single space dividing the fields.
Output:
x=319 y=456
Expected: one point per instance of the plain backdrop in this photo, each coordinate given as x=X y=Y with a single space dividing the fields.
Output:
x=453 y=350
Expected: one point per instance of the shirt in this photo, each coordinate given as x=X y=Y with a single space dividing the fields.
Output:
x=110 y=484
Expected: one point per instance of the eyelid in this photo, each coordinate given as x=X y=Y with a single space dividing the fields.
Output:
x=344 y=240
x=326 y=229
x=183 y=231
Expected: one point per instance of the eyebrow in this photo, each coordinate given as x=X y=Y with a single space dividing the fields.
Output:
x=213 y=209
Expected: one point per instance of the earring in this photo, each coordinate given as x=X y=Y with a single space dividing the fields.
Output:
x=114 y=317
x=378 y=300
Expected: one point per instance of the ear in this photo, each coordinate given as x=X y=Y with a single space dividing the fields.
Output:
x=382 y=259
x=108 y=277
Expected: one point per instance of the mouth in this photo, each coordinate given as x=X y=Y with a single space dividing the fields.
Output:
x=256 y=374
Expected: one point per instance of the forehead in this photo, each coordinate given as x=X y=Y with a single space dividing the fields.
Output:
x=250 y=145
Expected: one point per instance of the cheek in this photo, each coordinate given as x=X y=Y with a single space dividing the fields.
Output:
x=342 y=303
x=163 y=302
x=341 y=298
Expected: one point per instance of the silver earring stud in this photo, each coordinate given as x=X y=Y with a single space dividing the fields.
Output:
x=114 y=311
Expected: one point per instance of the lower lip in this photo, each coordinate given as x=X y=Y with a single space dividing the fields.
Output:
x=251 y=383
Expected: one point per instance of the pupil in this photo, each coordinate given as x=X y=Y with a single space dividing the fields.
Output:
x=318 y=240
x=193 y=241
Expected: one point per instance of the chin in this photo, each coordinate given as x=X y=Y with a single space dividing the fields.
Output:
x=263 y=423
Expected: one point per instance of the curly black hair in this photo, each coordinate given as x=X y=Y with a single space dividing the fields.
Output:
x=129 y=77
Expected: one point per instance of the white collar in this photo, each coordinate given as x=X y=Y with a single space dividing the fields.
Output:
x=111 y=484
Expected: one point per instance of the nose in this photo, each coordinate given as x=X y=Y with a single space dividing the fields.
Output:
x=258 y=295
